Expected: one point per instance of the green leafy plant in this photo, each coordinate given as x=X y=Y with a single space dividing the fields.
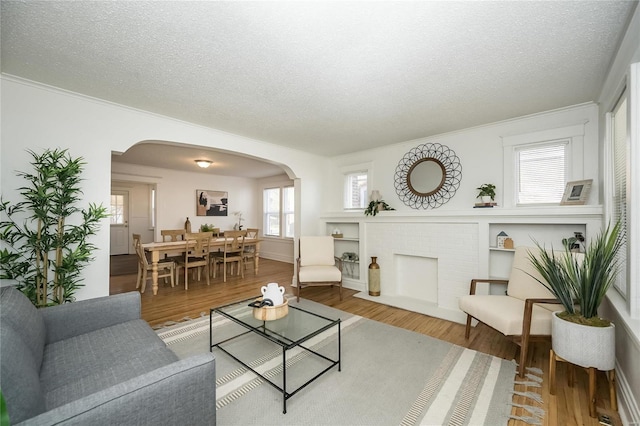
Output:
x=487 y=190
x=375 y=206
x=580 y=284
x=46 y=234
x=207 y=228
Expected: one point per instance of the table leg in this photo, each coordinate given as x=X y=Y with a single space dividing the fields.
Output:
x=284 y=381
x=155 y=258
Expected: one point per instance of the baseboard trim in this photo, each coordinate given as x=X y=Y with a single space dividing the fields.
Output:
x=627 y=405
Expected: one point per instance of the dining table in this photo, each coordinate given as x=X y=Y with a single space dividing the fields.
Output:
x=156 y=249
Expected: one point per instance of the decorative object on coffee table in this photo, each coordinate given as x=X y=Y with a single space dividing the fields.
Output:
x=374 y=277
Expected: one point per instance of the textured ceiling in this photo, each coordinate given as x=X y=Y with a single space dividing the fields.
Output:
x=324 y=77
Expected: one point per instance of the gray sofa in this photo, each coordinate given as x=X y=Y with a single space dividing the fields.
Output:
x=96 y=362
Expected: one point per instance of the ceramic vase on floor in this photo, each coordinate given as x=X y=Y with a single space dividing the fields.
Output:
x=374 y=278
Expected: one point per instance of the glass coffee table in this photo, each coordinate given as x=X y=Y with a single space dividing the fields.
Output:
x=291 y=331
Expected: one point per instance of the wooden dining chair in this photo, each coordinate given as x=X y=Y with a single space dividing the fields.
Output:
x=196 y=255
x=233 y=253
x=250 y=251
x=166 y=268
x=172 y=234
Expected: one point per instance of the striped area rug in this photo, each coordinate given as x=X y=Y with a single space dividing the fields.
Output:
x=390 y=376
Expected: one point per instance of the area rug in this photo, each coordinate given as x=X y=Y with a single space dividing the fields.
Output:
x=390 y=376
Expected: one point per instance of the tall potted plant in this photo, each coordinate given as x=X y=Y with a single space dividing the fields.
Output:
x=46 y=235
x=580 y=283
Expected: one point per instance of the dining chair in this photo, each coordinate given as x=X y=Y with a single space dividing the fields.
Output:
x=172 y=234
x=317 y=263
x=233 y=253
x=196 y=255
x=250 y=251
x=166 y=268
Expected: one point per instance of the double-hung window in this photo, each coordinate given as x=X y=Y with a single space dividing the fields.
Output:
x=279 y=211
x=355 y=191
x=620 y=158
x=541 y=172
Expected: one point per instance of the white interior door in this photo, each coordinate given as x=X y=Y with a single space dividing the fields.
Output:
x=119 y=222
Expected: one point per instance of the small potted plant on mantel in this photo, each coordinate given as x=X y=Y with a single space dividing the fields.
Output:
x=376 y=206
x=487 y=193
x=580 y=283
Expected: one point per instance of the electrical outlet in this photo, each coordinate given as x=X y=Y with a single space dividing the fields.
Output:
x=605 y=420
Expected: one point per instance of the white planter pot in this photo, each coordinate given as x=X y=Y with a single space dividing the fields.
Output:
x=584 y=345
x=486 y=199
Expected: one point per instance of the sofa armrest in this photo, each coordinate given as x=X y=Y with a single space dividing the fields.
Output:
x=72 y=319
x=183 y=392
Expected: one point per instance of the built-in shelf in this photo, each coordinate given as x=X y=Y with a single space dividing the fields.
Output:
x=500 y=249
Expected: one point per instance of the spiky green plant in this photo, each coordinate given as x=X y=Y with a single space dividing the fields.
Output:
x=582 y=282
x=44 y=250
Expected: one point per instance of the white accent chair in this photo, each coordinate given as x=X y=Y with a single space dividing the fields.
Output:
x=317 y=264
x=523 y=314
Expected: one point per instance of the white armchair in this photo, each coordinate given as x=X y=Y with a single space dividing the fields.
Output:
x=317 y=264
x=523 y=314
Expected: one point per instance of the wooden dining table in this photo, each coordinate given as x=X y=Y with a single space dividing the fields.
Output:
x=156 y=249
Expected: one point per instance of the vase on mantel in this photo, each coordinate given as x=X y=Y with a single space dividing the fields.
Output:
x=374 y=277
x=187 y=226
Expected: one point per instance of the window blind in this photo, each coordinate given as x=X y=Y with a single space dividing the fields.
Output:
x=620 y=170
x=541 y=172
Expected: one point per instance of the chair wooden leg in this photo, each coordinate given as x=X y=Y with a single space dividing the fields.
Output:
x=552 y=372
x=298 y=288
x=340 y=290
x=592 y=392
x=172 y=272
x=186 y=278
x=523 y=356
x=138 y=280
x=467 y=330
x=143 y=283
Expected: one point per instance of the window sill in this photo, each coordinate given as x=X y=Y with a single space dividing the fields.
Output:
x=631 y=325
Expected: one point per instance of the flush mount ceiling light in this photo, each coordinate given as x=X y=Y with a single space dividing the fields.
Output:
x=203 y=163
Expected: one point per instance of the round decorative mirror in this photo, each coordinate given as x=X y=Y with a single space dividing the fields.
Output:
x=428 y=176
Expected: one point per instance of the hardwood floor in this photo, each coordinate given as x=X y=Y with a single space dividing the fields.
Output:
x=568 y=407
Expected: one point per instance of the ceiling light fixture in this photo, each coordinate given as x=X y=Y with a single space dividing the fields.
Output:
x=203 y=163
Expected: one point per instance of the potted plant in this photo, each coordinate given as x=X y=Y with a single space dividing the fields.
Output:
x=487 y=192
x=580 y=282
x=376 y=206
x=46 y=236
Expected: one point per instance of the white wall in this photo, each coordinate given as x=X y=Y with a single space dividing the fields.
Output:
x=615 y=308
x=480 y=150
x=38 y=117
x=176 y=196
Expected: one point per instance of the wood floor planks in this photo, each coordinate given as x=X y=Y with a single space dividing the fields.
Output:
x=568 y=407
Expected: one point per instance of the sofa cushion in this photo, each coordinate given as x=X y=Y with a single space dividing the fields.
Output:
x=505 y=314
x=19 y=376
x=90 y=362
x=18 y=312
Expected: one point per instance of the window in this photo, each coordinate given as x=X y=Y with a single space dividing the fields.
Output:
x=152 y=203
x=279 y=217
x=541 y=172
x=117 y=209
x=355 y=190
x=620 y=156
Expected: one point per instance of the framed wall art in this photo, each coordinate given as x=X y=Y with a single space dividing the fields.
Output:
x=577 y=192
x=211 y=203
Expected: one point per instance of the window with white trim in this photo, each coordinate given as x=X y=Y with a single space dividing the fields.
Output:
x=541 y=172
x=620 y=157
x=117 y=209
x=356 y=190
x=279 y=211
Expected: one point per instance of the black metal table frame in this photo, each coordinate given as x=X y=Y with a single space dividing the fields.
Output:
x=285 y=347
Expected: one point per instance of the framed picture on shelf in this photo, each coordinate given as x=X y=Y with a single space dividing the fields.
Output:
x=211 y=203
x=577 y=192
